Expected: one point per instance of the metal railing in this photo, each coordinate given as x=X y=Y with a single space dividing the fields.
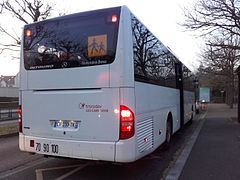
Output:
x=8 y=110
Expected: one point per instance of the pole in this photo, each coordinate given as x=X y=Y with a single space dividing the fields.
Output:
x=238 y=72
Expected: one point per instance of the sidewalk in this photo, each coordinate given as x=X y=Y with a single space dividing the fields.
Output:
x=216 y=152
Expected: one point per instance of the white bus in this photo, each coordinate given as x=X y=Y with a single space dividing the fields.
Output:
x=99 y=85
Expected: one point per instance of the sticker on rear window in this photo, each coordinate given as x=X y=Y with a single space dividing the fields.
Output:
x=97 y=45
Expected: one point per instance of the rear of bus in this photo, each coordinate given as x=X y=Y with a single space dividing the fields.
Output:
x=77 y=87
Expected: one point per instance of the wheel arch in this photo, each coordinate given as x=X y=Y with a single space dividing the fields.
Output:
x=170 y=118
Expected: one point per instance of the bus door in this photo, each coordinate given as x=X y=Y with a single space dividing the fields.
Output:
x=179 y=79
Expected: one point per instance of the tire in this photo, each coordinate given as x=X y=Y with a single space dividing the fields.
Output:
x=191 y=119
x=197 y=111
x=168 y=131
x=168 y=134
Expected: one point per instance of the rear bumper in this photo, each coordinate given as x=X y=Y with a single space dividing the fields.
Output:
x=121 y=151
x=69 y=148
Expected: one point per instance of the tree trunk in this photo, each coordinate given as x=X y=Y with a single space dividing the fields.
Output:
x=231 y=88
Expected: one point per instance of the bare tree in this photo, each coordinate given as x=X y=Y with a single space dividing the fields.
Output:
x=26 y=11
x=222 y=62
x=215 y=18
x=219 y=22
x=212 y=16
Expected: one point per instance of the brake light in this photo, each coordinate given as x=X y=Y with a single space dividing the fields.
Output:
x=20 y=118
x=28 y=33
x=114 y=18
x=126 y=123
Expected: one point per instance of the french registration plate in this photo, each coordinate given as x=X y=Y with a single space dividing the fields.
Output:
x=65 y=124
x=47 y=148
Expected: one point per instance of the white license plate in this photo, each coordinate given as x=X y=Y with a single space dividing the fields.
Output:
x=47 y=148
x=65 y=124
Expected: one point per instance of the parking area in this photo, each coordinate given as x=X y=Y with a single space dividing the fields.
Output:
x=21 y=166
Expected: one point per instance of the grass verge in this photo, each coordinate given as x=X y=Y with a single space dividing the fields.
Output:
x=9 y=129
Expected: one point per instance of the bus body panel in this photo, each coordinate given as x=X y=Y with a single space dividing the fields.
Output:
x=22 y=72
x=126 y=151
x=153 y=104
x=69 y=148
x=90 y=108
x=75 y=78
x=121 y=70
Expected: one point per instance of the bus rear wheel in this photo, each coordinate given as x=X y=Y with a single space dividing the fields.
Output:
x=168 y=133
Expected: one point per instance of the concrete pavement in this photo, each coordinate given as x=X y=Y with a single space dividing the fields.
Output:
x=216 y=152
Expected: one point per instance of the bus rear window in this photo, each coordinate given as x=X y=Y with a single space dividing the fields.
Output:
x=83 y=39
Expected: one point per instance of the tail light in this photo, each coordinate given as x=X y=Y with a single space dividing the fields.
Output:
x=28 y=33
x=114 y=18
x=20 y=118
x=126 y=122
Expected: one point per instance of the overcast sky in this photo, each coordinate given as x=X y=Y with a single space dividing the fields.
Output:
x=162 y=18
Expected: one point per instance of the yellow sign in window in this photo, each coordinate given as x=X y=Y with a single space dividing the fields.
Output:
x=97 y=45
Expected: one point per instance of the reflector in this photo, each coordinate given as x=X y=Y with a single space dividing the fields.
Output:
x=32 y=143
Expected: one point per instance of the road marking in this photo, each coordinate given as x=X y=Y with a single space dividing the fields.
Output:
x=23 y=168
x=71 y=172
x=176 y=170
x=39 y=172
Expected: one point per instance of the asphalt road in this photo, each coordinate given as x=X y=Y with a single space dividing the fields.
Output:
x=15 y=164
x=11 y=157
